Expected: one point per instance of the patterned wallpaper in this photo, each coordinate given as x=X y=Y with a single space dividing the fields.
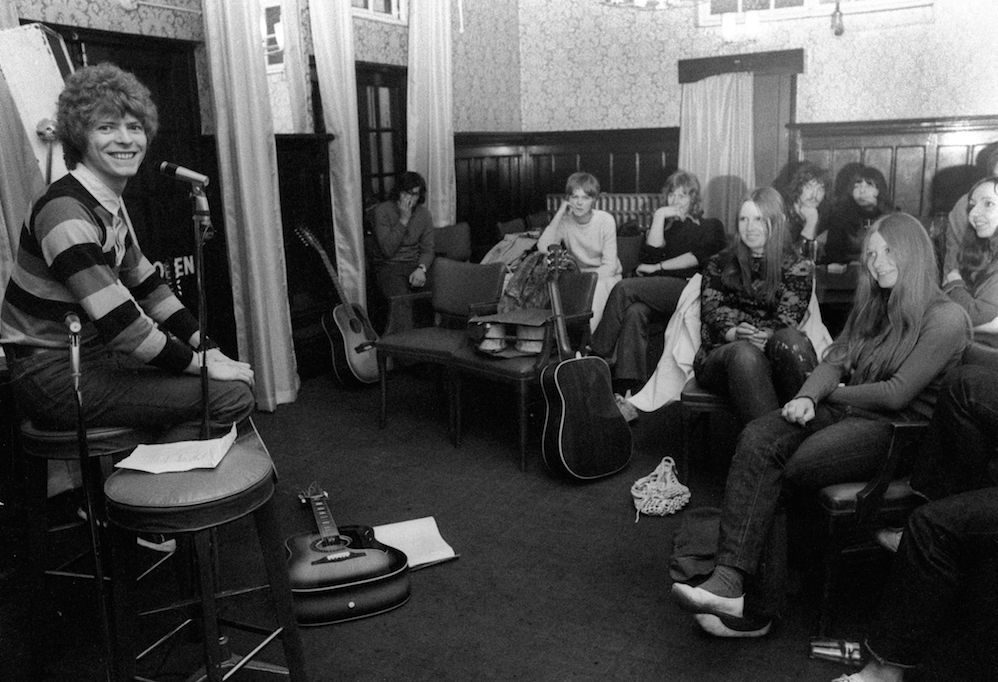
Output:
x=586 y=65
x=486 y=66
x=537 y=65
x=111 y=15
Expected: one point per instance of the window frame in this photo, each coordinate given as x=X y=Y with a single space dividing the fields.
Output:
x=399 y=13
x=395 y=79
x=276 y=66
x=808 y=9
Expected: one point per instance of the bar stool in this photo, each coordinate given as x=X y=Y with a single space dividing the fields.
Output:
x=40 y=446
x=194 y=504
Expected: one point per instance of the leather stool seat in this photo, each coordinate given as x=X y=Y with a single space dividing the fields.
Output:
x=189 y=501
x=102 y=441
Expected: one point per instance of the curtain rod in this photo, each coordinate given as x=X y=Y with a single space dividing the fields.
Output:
x=134 y=4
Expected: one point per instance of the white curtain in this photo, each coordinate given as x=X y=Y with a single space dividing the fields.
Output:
x=295 y=66
x=715 y=141
x=332 y=38
x=430 y=110
x=247 y=159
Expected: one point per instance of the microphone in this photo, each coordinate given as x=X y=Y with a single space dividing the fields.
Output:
x=184 y=174
x=72 y=321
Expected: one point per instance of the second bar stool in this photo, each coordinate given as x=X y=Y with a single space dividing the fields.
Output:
x=195 y=503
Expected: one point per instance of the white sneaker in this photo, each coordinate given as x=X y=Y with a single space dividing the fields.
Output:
x=889 y=538
x=155 y=542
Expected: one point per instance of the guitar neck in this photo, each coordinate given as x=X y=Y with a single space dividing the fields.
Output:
x=324 y=518
x=561 y=331
x=334 y=276
x=312 y=241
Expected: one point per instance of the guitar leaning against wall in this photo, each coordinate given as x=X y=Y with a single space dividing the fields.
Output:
x=585 y=435
x=351 y=336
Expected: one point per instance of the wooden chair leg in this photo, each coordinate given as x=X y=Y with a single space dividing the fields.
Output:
x=686 y=427
x=454 y=396
x=523 y=390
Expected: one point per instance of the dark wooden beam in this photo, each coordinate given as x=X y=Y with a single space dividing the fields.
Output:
x=775 y=62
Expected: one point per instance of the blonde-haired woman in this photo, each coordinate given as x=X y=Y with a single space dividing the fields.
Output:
x=901 y=338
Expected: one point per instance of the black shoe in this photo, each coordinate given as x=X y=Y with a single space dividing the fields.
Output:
x=60 y=510
x=729 y=626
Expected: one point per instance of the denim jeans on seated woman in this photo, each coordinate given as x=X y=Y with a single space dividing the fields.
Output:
x=759 y=381
x=840 y=444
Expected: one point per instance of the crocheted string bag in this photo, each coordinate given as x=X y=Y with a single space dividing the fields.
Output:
x=660 y=492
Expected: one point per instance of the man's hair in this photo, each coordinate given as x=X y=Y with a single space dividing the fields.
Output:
x=95 y=91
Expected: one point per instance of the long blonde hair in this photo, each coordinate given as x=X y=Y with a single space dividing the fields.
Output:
x=883 y=325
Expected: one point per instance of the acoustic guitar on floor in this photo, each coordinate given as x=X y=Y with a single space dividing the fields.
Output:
x=344 y=573
x=351 y=336
x=585 y=435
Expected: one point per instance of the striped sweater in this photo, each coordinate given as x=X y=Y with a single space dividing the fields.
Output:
x=77 y=253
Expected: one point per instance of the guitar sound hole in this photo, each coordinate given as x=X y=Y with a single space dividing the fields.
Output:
x=331 y=544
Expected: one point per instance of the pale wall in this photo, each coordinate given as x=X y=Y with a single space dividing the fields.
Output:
x=585 y=65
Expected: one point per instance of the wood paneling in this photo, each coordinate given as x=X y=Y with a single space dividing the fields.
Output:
x=500 y=176
x=928 y=163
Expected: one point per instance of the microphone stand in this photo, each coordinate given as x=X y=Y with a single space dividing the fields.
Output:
x=203 y=231
x=90 y=483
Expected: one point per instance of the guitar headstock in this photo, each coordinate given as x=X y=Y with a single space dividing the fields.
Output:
x=307 y=237
x=557 y=260
x=313 y=492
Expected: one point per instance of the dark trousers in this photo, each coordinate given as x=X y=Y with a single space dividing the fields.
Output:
x=965 y=414
x=837 y=445
x=623 y=330
x=948 y=560
x=118 y=390
x=755 y=381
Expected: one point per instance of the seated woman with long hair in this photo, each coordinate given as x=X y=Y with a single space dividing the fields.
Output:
x=678 y=244
x=901 y=338
x=974 y=282
x=863 y=200
x=753 y=296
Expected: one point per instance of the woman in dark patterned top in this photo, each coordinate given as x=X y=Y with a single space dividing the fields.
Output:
x=754 y=295
x=678 y=244
x=901 y=339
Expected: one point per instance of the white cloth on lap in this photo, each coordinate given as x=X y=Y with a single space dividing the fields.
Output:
x=682 y=341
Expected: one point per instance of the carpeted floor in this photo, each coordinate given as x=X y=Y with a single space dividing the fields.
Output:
x=555 y=580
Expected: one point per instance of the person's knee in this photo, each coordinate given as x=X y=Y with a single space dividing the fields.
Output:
x=636 y=315
x=745 y=359
x=232 y=401
x=789 y=343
